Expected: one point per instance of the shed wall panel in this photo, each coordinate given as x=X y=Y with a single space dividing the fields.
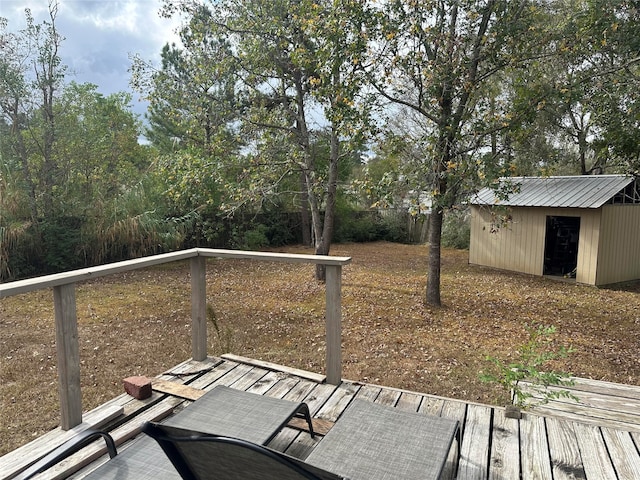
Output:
x=619 y=253
x=517 y=246
x=588 y=245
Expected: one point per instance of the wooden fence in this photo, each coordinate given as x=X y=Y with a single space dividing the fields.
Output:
x=66 y=323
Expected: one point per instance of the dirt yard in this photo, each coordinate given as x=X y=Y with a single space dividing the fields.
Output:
x=138 y=324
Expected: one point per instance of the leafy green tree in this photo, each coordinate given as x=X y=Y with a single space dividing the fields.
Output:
x=97 y=147
x=295 y=64
x=438 y=59
x=601 y=86
x=68 y=157
x=587 y=121
x=192 y=115
x=32 y=75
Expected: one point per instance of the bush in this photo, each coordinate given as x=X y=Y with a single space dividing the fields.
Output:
x=456 y=230
x=61 y=238
x=256 y=238
x=395 y=227
x=354 y=225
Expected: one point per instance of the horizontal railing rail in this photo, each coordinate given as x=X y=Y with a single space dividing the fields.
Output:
x=66 y=323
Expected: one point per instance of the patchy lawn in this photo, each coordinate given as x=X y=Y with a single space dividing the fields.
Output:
x=138 y=323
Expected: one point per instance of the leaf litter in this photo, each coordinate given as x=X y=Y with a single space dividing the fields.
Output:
x=138 y=323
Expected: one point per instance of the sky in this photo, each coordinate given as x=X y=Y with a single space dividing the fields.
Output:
x=100 y=36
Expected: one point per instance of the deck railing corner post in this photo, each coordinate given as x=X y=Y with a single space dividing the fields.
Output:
x=68 y=355
x=199 y=307
x=333 y=288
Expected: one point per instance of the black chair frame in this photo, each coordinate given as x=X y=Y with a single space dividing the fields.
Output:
x=167 y=443
x=75 y=444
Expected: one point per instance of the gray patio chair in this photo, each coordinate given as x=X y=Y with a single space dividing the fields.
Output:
x=369 y=442
x=221 y=411
x=201 y=456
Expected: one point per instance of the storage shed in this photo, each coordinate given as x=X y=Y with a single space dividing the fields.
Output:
x=582 y=227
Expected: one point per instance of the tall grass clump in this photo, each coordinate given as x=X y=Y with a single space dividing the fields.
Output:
x=17 y=242
x=130 y=226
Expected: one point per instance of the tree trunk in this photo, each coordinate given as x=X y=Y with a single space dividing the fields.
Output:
x=21 y=151
x=304 y=212
x=432 y=296
x=324 y=244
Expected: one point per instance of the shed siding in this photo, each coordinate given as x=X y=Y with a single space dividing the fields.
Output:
x=619 y=254
x=588 y=245
x=518 y=246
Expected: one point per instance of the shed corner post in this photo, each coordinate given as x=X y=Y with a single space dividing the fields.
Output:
x=199 y=307
x=334 y=323
x=68 y=354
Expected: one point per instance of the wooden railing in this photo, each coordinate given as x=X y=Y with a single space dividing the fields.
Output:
x=64 y=298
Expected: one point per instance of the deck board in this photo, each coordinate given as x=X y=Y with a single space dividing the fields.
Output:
x=623 y=453
x=594 y=454
x=566 y=463
x=534 y=450
x=505 y=447
x=569 y=444
x=598 y=403
x=474 y=452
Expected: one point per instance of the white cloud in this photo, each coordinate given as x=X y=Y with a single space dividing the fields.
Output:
x=100 y=35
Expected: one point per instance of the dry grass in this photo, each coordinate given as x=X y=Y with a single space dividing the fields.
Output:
x=138 y=323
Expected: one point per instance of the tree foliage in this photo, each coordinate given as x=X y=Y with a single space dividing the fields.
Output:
x=444 y=62
x=296 y=79
x=70 y=163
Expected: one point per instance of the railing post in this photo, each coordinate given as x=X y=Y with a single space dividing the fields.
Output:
x=64 y=299
x=199 y=307
x=333 y=288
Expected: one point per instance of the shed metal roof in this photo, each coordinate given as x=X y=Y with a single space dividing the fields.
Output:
x=583 y=191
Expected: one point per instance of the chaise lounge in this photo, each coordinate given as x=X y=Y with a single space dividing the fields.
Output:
x=225 y=437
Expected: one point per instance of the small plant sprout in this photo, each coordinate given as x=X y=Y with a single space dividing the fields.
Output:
x=529 y=366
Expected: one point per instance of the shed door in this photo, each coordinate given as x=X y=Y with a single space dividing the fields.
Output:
x=561 y=246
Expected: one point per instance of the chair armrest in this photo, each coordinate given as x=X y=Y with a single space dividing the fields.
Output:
x=68 y=448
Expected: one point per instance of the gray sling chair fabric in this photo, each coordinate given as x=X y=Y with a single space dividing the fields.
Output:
x=198 y=456
x=222 y=410
x=372 y=441
x=368 y=442
x=235 y=413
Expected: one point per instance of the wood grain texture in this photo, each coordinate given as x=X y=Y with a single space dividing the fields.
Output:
x=534 y=449
x=505 y=447
x=493 y=447
x=474 y=452
x=593 y=451
x=623 y=453
x=198 y=269
x=566 y=462
x=68 y=355
x=333 y=320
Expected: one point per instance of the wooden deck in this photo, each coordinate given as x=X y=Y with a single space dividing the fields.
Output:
x=572 y=442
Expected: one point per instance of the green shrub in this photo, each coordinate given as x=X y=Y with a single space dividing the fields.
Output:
x=394 y=227
x=355 y=225
x=61 y=237
x=456 y=230
x=256 y=238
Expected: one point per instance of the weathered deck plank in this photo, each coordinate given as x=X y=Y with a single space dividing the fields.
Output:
x=534 y=449
x=566 y=463
x=623 y=453
x=593 y=451
x=598 y=403
x=505 y=448
x=492 y=446
x=474 y=452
